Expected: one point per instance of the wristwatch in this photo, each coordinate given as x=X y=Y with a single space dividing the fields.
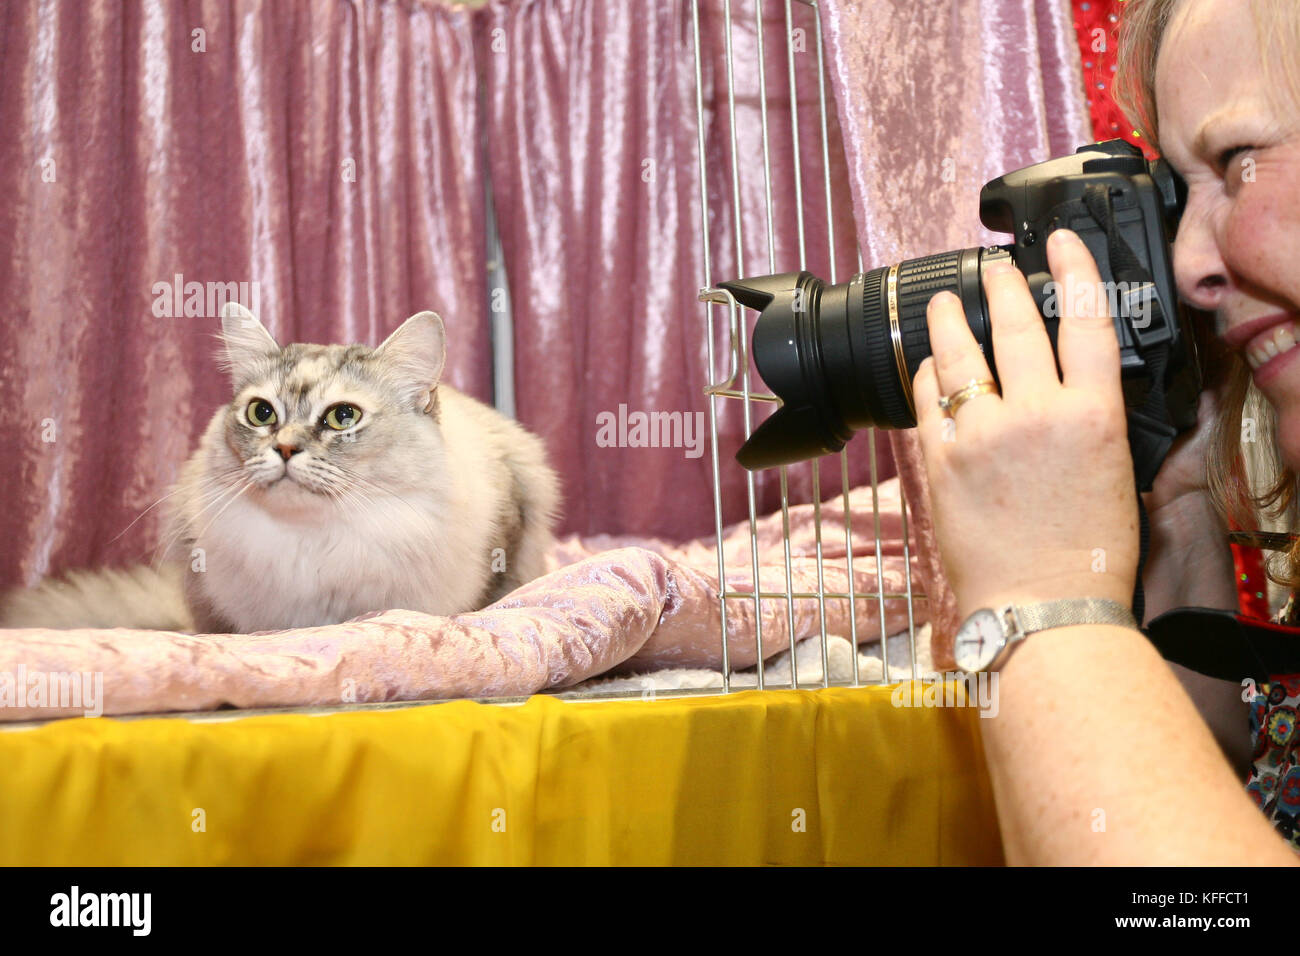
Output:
x=986 y=639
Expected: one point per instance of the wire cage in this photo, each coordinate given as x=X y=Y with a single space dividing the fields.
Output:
x=723 y=385
x=804 y=228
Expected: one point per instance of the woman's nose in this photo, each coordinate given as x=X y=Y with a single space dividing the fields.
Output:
x=1199 y=269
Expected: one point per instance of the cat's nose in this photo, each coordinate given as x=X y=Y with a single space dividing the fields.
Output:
x=287 y=451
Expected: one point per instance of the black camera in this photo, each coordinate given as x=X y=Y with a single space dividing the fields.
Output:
x=842 y=357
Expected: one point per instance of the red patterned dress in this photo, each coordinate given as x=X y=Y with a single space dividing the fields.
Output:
x=1274 y=780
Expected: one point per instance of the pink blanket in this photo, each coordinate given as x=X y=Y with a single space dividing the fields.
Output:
x=609 y=605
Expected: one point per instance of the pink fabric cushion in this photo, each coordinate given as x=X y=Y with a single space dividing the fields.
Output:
x=606 y=606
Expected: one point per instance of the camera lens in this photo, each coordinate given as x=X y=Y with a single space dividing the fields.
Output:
x=842 y=357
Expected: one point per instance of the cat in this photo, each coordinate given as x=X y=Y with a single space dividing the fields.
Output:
x=339 y=480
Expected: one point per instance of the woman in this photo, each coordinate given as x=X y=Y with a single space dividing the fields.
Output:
x=1099 y=754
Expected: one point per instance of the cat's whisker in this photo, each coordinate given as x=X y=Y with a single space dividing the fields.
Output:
x=347 y=497
x=210 y=498
x=375 y=486
x=171 y=494
x=206 y=495
x=356 y=495
x=248 y=484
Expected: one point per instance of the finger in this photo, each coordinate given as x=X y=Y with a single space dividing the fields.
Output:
x=957 y=357
x=933 y=426
x=925 y=396
x=1026 y=365
x=1089 y=348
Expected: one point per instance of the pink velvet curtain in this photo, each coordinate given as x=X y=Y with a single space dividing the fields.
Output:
x=596 y=172
x=326 y=154
x=936 y=99
x=333 y=154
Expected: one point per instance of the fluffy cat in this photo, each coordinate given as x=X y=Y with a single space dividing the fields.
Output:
x=339 y=480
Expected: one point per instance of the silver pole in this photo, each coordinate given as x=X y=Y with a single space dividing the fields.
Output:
x=880 y=573
x=762 y=115
x=789 y=582
x=826 y=149
x=794 y=134
x=712 y=399
x=821 y=578
x=907 y=571
x=742 y=345
x=848 y=557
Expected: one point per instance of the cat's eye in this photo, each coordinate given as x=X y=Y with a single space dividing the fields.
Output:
x=260 y=412
x=342 y=416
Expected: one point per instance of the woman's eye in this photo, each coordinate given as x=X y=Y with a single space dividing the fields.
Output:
x=260 y=412
x=342 y=416
x=1228 y=155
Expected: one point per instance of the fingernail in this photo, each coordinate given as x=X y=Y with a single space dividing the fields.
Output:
x=942 y=298
x=1064 y=236
x=1001 y=269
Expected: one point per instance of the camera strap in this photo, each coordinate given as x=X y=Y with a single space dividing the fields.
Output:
x=1124 y=263
x=1150 y=430
x=1226 y=645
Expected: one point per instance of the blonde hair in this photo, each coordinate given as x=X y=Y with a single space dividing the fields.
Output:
x=1235 y=476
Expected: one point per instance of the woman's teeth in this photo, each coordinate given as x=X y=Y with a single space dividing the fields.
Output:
x=1282 y=339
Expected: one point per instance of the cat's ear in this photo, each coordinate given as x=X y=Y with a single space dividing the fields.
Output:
x=245 y=339
x=415 y=355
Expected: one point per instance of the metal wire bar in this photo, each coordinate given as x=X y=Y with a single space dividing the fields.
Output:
x=734 y=392
x=826 y=148
x=830 y=247
x=712 y=399
x=813 y=595
x=739 y=366
x=789 y=573
x=848 y=557
x=794 y=136
x=762 y=117
x=741 y=346
x=771 y=267
x=880 y=566
x=753 y=520
x=907 y=570
x=821 y=575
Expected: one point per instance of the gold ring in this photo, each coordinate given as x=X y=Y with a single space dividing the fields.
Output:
x=950 y=403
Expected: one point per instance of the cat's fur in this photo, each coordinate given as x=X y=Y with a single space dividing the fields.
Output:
x=431 y=501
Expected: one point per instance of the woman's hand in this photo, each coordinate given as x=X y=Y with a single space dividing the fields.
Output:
x=1032 y=491
x=1189 y=563
x=1184 y=471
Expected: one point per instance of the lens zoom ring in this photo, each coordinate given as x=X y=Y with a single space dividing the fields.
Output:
x=918 y=282
x=882 y=367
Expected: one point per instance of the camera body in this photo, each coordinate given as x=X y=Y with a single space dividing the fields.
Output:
x=1147 y=202
x=843 y=357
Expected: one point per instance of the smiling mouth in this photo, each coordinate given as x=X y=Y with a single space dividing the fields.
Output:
x=1271 y=343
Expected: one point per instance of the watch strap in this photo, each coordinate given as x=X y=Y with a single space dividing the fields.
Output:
x=1044 y=615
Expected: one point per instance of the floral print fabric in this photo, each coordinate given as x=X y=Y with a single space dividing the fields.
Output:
x=1274 y=780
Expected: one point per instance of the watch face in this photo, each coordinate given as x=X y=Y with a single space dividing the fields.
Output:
x=979 y=641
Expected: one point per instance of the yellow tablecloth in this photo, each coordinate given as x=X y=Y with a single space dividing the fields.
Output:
x=785 y=777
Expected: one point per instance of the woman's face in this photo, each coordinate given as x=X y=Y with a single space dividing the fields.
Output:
x=1237 y=252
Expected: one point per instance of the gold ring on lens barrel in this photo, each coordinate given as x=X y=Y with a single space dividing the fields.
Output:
x=897 y=336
